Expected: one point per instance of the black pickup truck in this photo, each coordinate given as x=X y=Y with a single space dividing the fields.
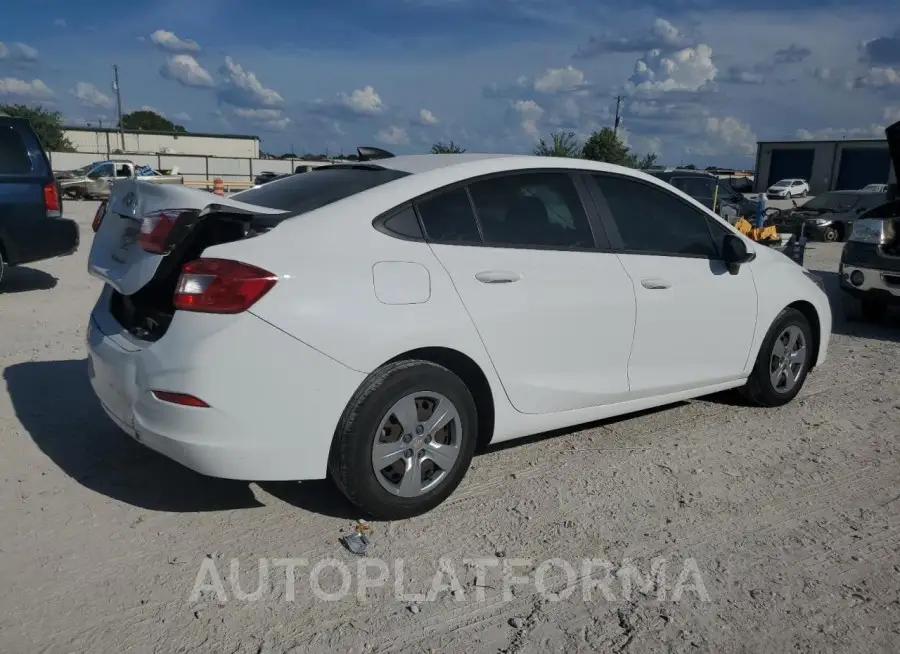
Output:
x=31 y=224
x=870 y=261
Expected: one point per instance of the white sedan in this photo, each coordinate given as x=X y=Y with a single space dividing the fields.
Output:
x=786 y=189
x=379 y=321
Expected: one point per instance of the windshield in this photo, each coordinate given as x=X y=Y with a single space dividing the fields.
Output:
x=317 y=188
x=833 y=202
x=784 y=182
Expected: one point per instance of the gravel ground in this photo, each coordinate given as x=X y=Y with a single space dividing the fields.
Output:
x=779 y=529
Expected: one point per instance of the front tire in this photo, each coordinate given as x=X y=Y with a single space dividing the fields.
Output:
x=831 y=235
x=783 y=362
x=405 y=441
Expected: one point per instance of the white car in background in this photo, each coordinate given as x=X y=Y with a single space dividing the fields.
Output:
x=787 y=189
x=378 y=321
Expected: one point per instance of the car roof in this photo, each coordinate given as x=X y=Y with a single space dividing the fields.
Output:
x=463 y=166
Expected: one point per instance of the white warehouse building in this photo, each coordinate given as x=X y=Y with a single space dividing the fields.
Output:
x=107 y=142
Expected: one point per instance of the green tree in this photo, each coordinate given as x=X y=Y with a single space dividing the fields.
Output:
x=562 y=144
x=446 y=148
x=150 y=121
x=46 y=124
x=606 y=146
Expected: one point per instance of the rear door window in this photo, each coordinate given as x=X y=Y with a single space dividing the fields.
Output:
x=448 y=218
x=319 y=187
x=532 y=210
x=14 y=159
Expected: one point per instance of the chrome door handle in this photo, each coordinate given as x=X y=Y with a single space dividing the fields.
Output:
x=655 y=284
x=497 y=277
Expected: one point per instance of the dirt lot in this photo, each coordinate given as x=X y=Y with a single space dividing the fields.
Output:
x=783 y=524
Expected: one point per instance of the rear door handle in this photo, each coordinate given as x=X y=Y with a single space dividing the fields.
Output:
x=655 y=284
x=497 y=277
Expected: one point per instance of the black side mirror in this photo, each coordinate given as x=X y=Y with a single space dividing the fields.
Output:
x=735 y=253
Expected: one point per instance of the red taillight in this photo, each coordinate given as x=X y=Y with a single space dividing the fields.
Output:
x=51 y=200
x=179 y=398
x=221 y=286
x=155 y=228
x=98 y=217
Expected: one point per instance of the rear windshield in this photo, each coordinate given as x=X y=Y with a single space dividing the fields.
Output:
x=14 y=159
x=318 y=187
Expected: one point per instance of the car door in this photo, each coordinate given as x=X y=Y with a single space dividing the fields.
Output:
x=555 y=311
x=695 y=320
x=100 y=179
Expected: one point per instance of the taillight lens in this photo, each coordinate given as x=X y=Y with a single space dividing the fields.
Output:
x=221 y=286
x=155 y=228
x=98 y=217
x=179 y=398
x=51 y=200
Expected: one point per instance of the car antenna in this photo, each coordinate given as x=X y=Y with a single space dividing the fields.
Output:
x=371 y=154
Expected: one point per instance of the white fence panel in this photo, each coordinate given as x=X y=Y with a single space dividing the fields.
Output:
x=272 y=165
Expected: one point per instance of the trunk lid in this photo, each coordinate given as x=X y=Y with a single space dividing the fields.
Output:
x=117 y=257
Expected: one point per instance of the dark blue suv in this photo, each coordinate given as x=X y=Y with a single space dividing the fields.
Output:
x=31 y=223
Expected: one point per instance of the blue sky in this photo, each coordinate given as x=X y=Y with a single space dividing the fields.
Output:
x=702 y=79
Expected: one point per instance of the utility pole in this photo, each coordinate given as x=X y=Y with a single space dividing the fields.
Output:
x=119 y=104
x=619 y=99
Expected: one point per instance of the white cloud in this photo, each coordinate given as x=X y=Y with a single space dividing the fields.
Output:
x=90 y=96
x=426 y=117
x=257 y=114
x=33 y=90
x=187 y=71
x=874 y=130
x=363 y=101
x=878 y=77
x=393 y=136
x=554 y=80
x=529 y=113
x=689 y=69
x=723 y=136
x=662 y=35
x=60 y=22
x=169 y=42
x=891 y=114
x=276 y=125
x=18 y=52
x=243 y=89
x=182 y=117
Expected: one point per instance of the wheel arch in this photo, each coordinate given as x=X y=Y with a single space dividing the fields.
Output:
x=464 y=367
x=815 y=323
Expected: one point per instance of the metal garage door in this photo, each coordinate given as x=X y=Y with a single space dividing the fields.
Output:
x=861 y=166
x=787 y=163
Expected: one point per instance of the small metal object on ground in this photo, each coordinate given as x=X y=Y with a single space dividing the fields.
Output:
x=356 y=543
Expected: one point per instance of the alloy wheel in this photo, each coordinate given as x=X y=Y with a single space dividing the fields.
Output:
x=788 y=359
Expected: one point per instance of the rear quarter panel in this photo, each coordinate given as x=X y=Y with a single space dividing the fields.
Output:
x=326 y=297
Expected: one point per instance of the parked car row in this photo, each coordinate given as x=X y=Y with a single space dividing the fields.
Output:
x=92 y=182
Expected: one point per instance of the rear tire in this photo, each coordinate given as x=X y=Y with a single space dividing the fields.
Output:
x=783 y=361
x=388 y=415
x=831 y=235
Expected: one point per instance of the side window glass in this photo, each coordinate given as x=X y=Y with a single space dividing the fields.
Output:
x=448 y=218
x=651 y=221
x=14 y=159
x=541 y=209
x=105 y=170
x=404 y=223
